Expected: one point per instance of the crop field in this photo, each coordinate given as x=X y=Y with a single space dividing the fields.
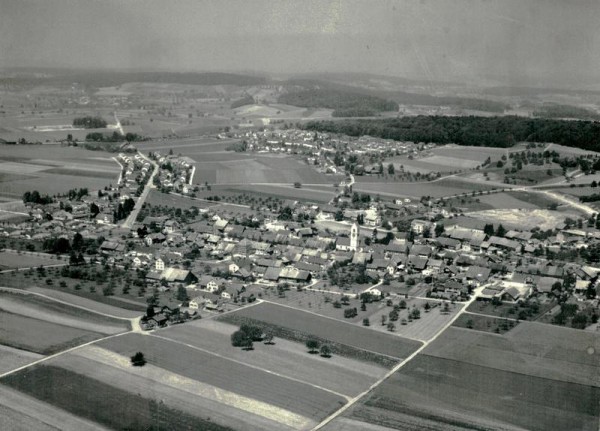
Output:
x=95 y=401
x=331 y=330
x=275 y=397
x=13 y=358
x=447 y=393
x=284 y=358
x=40 y=336
x=28 y=305
x=156 y=197
x=23 y=412
x=52 y=169
x=9 y=260
x=305 y=193
x=478 y=154
x=436 y=189
x=534 y=349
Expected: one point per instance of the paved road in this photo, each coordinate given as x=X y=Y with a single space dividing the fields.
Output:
x=128 y=223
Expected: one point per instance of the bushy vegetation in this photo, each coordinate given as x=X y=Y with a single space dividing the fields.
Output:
x=90 y=122
x=344 y=104
x=474 y=131
x=246 y=100
x=114 y=137
x=35 y=197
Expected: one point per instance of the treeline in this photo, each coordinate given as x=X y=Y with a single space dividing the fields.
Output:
x=341 y=102
x=590 y=198
x=247 y=100
x=566 y=111
x=35 y=197
x=123 y=210
x=473 y=131
x=90 y=122
x=114 y=137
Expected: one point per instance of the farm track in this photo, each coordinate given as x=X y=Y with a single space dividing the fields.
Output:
x=398 y=366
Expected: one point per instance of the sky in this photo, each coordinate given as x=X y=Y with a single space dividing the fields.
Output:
x=510 y=42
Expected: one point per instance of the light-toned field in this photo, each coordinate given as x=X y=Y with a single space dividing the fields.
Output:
x=277 y=396
x=306 y=193
x=284 y=358
x=507 y=201
x=60 y=314
x=478 y=154
x=52 y=169
x=524 y=219
x=40 y=336
x=534 y=349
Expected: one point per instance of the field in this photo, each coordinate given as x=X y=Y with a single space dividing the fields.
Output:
x=464 y=396
x=13 y=358
x=283 y=358
x=478 y=322
x=93 y=400
x=508 y=200
x=330 y=330
x=52 y=169
x=274 y=397
x=40 y=336
x=436 y=189
x=10 y=260
x=174 y=201
x=534 y=349
x=283 y=191
x=41 y=308
x=535 y=377
x=522 y=218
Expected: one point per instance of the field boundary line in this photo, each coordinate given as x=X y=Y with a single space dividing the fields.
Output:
x=396 y=368
x=218 y=355
x=55 y=355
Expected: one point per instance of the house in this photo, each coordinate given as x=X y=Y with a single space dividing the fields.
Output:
x=209 y=283
x=159 y=264
x=196 y=302
x=159 y=319
x=420 y=226
x=176 y=275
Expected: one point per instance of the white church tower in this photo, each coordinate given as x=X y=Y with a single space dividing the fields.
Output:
x=354 y=237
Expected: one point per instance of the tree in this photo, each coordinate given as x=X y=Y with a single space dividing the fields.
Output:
x=470 y=323
x=325 y=351
x=383 y=319
x=268 y=336
x=439 y=229
x=312 y=345
x=138 y=360
x=182 y=294
x=500 y=231
x=253 y=332
x=366 y=322
x=241 y=339
x=488 y=229
x=297 y=185
x=391 y=327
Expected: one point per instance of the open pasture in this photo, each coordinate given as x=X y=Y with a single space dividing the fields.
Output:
x=327 y=329
x=40 y=336
x=52 y=169
x=456 y=394
x=11 y=260
x=284 y=357
x=156 y=198
x=304 y=402
x=533 y=349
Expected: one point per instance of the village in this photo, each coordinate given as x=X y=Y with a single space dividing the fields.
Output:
x=223 y=256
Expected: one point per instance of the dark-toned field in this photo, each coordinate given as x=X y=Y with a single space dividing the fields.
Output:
x=102 y=403
x=329 y=329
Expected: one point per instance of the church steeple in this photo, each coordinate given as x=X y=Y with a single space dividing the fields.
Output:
x=354 y=237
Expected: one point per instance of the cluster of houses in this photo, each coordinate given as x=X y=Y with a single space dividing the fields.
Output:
x=134 y=173
x=176 y=173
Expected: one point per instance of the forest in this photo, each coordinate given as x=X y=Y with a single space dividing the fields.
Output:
x=342 y=102
x=471 y=131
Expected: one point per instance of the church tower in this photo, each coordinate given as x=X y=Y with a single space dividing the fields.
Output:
x=354 y=237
